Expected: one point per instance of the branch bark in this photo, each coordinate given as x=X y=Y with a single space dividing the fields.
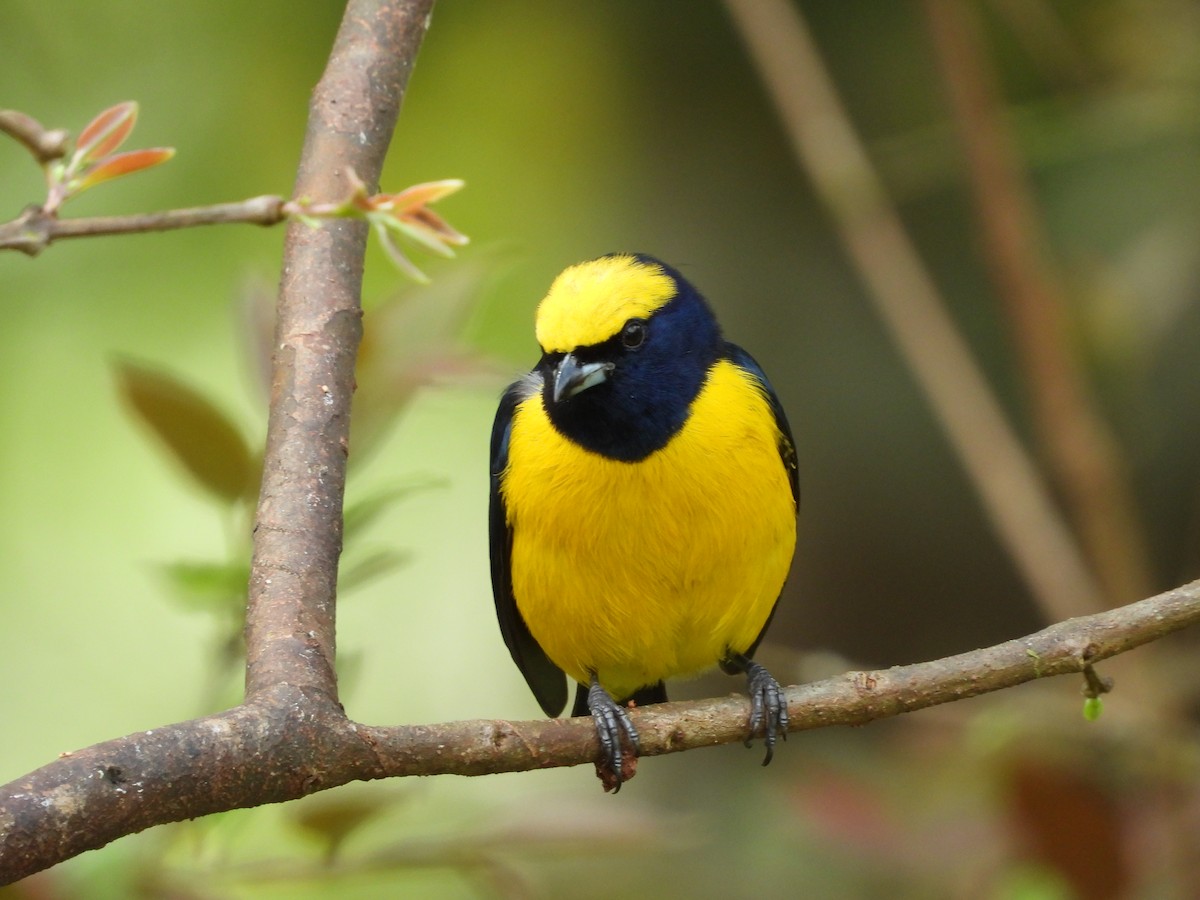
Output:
x=46 y=145
x=35 y=230
x=290 y=741
x=291 y=718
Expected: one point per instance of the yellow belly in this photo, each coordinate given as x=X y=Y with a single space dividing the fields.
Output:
x=651 y=570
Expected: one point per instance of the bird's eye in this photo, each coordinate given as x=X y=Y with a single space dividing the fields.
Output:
x=633 y=335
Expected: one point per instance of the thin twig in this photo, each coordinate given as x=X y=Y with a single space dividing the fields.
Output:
x=33 y=231
x=827 y=147
x=45 y=144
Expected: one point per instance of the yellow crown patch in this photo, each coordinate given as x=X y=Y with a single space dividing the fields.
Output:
x=590 y=302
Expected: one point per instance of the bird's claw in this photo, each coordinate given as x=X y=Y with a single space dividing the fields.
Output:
x=611 y=721
x=768 y=707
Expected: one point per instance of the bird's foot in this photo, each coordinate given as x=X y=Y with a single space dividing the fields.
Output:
x=768 y=707
x=612 y=721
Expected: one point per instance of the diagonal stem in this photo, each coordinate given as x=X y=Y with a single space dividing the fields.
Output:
x=1013 y=494
x=1081 y=452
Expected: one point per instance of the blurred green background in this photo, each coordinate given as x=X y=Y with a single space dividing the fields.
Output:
x=582 y=128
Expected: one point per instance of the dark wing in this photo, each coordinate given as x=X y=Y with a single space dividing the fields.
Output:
x=545 y=679
x=787 y=446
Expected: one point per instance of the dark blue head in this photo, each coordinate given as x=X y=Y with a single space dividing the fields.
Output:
x=627 y=344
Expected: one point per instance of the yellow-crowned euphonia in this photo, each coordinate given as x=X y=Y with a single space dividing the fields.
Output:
x=643 y=500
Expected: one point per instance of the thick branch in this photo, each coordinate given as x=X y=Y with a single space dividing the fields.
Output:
x=288 y=743
x=282 y=742
x=298 y=528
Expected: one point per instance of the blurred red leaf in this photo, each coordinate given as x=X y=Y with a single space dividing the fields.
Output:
x=193 y=430
x=1069 y=821
x=852 y=813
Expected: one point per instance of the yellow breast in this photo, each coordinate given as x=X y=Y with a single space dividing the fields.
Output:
x=654 y=569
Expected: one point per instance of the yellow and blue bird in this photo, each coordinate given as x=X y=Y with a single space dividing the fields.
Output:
x=643 y=501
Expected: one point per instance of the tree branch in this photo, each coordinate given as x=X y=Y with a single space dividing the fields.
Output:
x=291 y=717
x=289 y=742
x=35 y=229
x=46 y=145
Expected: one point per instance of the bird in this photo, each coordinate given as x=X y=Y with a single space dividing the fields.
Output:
x=643 y=503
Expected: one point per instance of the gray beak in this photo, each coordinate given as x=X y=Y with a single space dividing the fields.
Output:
x=571 y=377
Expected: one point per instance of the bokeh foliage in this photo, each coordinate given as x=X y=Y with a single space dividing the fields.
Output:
x=582 y=128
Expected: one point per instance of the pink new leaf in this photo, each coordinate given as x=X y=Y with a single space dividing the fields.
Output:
x=419 y=195
x=431 y=221
x=106 y=132
x=121 y=164
x=408 y=213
